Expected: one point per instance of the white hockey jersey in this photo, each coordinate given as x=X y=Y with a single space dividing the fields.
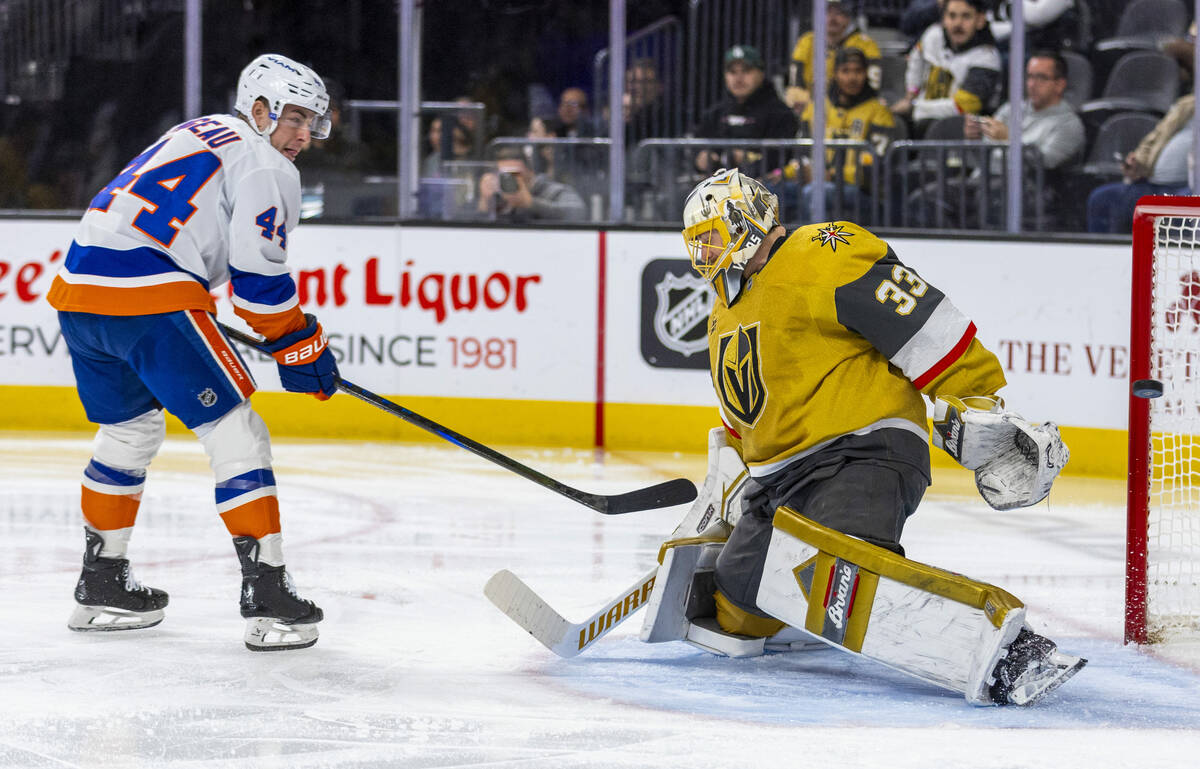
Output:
x=211 y=201
x=949 y=82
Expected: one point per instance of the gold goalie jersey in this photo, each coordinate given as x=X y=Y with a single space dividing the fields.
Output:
x=836 y=336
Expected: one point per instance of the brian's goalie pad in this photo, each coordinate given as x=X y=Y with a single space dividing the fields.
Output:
x=944 y=628
x=1015 y=462
x=683 y=588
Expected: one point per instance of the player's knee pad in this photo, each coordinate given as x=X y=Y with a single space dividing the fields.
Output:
x=130 y=445
x=236 y=443
x=939 y=626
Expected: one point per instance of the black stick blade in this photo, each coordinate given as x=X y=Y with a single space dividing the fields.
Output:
x=667 y=494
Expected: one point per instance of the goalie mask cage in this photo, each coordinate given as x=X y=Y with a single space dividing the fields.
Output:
x=1162 y=567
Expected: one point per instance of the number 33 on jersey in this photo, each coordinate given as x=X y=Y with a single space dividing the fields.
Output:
x=210 y=201
x=835 y=331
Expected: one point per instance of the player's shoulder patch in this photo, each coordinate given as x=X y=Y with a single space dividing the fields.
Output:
x=837 y=250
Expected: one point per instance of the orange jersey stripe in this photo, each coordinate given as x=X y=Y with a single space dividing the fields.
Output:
x=105 y=512
x=254 y=519
x=140 y=300
x=273 y=325
x=224 y=353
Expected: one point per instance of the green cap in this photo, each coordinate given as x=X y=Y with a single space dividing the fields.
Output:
x=746 y=53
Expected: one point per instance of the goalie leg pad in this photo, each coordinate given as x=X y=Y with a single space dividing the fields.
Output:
x=683 y=589
x=718 y=505
x=935 y=625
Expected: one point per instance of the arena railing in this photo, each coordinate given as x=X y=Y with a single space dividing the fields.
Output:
x=653 y=80
x=958 y=184
x=663 y=172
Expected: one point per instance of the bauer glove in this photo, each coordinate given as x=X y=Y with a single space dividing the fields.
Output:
x=306 y=364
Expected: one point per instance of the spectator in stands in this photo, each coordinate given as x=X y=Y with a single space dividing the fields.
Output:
x=445 y=190
x=1157 y=166
x=852 y=111
x=340 y=150
x=461 y=147
x=1049 y=122
x=954 y=69
x=1182 y=50
x=334 y=168
x=840 y=33
x=572 y=119
x=645 y=117
x=753 y=110
x=514 y=193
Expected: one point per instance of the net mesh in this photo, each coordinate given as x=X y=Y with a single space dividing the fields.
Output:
x=1173 y=534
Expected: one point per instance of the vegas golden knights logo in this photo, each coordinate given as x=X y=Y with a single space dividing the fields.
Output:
x=739 y=374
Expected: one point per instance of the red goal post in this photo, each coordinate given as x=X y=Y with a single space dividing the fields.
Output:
x=1162 y=566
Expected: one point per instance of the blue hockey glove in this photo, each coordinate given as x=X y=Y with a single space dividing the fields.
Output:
x=306 y=364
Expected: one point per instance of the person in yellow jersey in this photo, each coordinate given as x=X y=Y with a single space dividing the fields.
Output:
x=822 y=343
x=841 y=33
x=852 y=111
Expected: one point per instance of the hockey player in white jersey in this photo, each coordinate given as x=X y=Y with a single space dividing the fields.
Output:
x=215 y=199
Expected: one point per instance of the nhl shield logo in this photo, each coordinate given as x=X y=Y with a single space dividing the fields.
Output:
x=682 y=312
x=739 y=374
x=207 y=397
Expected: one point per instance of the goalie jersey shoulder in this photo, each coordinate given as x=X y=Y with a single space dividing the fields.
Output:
x=877 y=296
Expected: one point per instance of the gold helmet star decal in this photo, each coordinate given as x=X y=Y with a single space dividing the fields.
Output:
x=832 y=234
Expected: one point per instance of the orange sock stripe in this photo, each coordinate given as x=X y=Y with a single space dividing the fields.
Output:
x=226 y=357
x=105 y=512
x=256 y=519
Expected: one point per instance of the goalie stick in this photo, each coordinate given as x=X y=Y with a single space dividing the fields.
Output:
x=566 y=639
x=666 y=494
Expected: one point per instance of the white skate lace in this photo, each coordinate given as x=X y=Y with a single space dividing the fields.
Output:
x=290 y=587
x=131 y=583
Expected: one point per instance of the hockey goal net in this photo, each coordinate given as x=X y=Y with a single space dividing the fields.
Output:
x=1162 y=580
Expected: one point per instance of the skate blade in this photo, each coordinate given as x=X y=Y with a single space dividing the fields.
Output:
x=88 y=619
x=1033 y=691
x=264 y=634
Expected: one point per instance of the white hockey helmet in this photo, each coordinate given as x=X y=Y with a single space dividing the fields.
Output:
x=725 y=219
x=281 y=81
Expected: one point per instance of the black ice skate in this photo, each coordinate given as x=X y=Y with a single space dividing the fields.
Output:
x=108 y=596
x=1031 y=668
x=276 y=618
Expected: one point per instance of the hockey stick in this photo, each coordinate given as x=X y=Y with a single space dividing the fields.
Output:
x=665 y=494
x=566 y=639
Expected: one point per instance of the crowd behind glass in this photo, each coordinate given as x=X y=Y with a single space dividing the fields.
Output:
x=916 y=118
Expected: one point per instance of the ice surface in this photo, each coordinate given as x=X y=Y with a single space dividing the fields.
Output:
x=415 y=668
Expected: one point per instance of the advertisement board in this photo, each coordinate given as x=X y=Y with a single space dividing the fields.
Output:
x=462 y=318
x=420 y=311
x=1056 y=315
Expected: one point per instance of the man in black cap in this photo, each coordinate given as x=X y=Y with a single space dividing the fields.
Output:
x=752 y=111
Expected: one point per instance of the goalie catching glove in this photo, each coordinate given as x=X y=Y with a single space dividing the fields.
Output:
x=1015 y=462
x=306 y=364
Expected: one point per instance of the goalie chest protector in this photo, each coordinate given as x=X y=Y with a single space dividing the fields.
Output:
x=828 y=339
